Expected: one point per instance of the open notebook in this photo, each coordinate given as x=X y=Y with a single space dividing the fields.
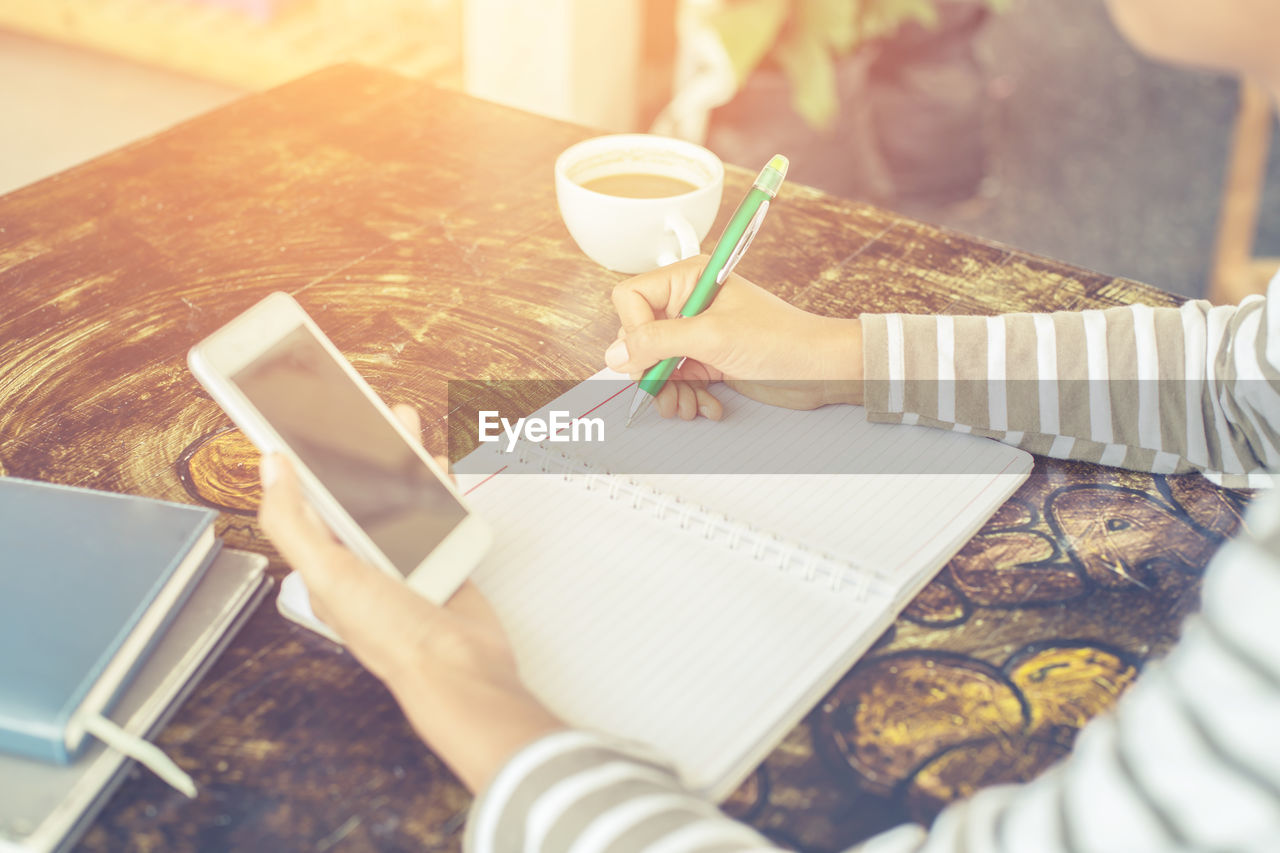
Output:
x=705 y=613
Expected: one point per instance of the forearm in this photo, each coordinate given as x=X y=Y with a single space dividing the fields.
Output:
x=474 y=724
x=840 y=359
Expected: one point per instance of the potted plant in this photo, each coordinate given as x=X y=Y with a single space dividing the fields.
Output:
x=877 y=99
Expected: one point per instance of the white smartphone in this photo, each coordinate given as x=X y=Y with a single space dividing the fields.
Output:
x=292 y=392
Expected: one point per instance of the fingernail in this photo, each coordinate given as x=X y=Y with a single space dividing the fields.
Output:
x=268 y=469
x=704 y=411
x=616 y=354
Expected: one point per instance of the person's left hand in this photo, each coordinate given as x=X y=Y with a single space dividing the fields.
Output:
x=450 y=668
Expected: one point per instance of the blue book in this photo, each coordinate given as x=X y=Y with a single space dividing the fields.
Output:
x=88 y=581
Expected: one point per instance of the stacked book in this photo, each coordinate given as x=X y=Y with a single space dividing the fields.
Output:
x=112 y=606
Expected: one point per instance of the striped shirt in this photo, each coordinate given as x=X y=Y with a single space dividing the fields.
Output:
x=1190 y=758
x=1167 y=390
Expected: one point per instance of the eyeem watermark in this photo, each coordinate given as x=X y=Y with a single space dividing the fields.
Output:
x=557 y=426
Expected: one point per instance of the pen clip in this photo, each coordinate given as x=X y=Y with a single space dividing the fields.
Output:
x=748 y=234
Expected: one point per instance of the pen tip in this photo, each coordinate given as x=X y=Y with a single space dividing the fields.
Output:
x=639 y=403
x=779 y=164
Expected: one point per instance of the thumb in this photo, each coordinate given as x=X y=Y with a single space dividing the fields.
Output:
x=287 y=519
x=647 y=344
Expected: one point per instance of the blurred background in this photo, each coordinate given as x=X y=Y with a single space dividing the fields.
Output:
x=1028 y=122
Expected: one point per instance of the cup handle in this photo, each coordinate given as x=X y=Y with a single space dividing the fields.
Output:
x=687 y=237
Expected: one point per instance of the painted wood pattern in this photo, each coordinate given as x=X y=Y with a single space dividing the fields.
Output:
x=419 y=228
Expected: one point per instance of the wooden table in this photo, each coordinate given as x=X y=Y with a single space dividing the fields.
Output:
x=420 y=228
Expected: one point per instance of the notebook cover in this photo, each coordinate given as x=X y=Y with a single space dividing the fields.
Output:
x=45 y=806
x=79 y=568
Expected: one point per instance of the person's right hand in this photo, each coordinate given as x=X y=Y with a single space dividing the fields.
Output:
x=756 y=343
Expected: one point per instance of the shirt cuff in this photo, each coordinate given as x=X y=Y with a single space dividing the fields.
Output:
x=875 y=366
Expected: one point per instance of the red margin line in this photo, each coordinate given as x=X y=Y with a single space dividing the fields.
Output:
x=602 y=402
x=579 y=417
x=485 y=480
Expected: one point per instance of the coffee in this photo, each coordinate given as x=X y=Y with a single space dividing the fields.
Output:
x=639 y=185
x=637 y=201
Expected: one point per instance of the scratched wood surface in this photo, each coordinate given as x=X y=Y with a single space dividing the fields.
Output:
x=419 y=228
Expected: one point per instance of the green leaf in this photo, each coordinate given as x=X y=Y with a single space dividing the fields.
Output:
x=812 y=74
x=748 y=29
x=805 y=36
x=827 y=22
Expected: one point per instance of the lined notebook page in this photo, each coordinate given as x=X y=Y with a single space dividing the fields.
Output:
x=627 y=623
x=623 y=625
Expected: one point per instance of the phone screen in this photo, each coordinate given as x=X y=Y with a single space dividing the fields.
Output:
x=360 y=458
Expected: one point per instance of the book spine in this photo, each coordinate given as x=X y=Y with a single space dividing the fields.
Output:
x=765 y=548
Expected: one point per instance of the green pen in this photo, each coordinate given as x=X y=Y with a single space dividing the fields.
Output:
x=729 y=249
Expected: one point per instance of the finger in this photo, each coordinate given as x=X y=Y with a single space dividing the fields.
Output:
x=443 y=462
x=618 y=354
x=616 y=357
x=646 y=345
x=666 y=399
x=695 y=371
x=656 y=294
x=299 y=536
x=411 y=421
x=408 y=418
x=330 y=571
x=708 y=405
x=686 y=401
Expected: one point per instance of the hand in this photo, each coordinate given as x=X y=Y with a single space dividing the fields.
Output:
x=753 y=341
x=450 y=668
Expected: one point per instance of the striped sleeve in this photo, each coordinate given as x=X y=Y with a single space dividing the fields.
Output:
x=1167 y=390
x=584 y=792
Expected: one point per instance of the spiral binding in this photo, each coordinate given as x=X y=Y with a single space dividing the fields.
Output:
x=766 y=548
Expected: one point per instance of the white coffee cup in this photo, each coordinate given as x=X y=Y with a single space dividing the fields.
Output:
x=636 y=234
